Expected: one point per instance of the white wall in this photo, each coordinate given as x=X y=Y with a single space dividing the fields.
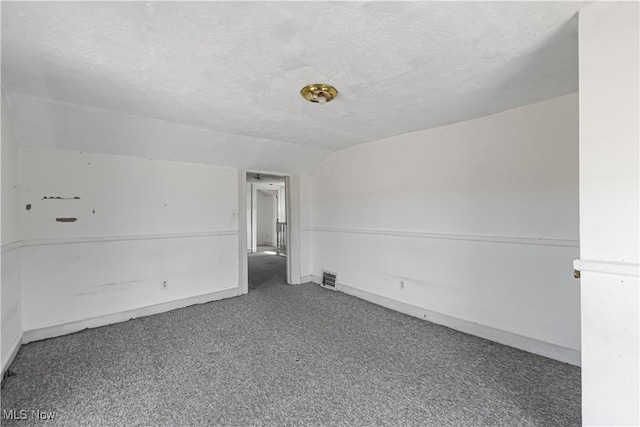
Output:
x=249 y=198
x=609 y=213
x=474 y=225
x=10 y=292
x=266 y=203
x=138 y=223
x=306 y=227
x=46 y=123
x=282 y=204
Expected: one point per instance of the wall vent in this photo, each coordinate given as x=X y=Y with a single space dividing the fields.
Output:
x=329 y=280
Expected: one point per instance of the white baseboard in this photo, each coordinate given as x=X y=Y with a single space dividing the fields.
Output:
x=307 y=279
x=542 y=348
x=15 y=346
x=109 y=319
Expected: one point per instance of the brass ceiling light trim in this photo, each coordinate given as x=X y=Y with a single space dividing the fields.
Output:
x=319 y=92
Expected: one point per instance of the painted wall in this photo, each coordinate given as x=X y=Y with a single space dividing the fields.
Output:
x=267 y=206
x=282 y=204
x=10 y=292
x=104 y=232
x=474 y=225
x=249 y=198
x=306 y=228
x=609 y=213
x=46 y=123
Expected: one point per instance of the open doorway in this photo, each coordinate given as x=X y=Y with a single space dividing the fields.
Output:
x=266 y=230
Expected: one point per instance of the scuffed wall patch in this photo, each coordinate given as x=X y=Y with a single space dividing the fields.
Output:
x=66 y=219
x=60 y=198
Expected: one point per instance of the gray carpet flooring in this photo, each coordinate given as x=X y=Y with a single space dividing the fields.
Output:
x=287 y=356
x=266 y=270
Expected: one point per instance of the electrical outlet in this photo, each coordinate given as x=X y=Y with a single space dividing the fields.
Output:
x=401 y=284
x=164 y=285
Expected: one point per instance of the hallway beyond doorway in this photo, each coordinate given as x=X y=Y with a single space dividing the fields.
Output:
x=266 y=270
x=265 y=248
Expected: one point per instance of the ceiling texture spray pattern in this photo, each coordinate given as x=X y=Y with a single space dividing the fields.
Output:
x=236 y=68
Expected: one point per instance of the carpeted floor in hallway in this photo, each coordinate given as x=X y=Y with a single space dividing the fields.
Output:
x=287 y=356
x=266 y=270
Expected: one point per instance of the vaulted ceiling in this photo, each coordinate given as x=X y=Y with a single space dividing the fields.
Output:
x=219 y=82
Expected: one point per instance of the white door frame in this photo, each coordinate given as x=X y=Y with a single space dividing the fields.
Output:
x=243 y=265
x=294 y=250
x=292 y=194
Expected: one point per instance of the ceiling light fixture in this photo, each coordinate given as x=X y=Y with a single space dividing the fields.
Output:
x=319 y=92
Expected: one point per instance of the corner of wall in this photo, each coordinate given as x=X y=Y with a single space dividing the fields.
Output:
x=472 y=221
x=12 y=245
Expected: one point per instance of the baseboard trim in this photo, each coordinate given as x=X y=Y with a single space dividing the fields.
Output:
x=15 y=347
x=109 y=319
x=308 y=279
x=531 y=345
x=275 y=245
x=315 y=279
x=543 y=241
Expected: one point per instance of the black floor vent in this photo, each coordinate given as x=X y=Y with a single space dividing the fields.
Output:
x=329 y=280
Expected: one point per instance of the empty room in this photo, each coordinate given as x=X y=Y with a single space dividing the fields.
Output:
x=320 y=213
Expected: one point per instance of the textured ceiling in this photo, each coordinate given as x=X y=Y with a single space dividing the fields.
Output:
x=237 y=67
